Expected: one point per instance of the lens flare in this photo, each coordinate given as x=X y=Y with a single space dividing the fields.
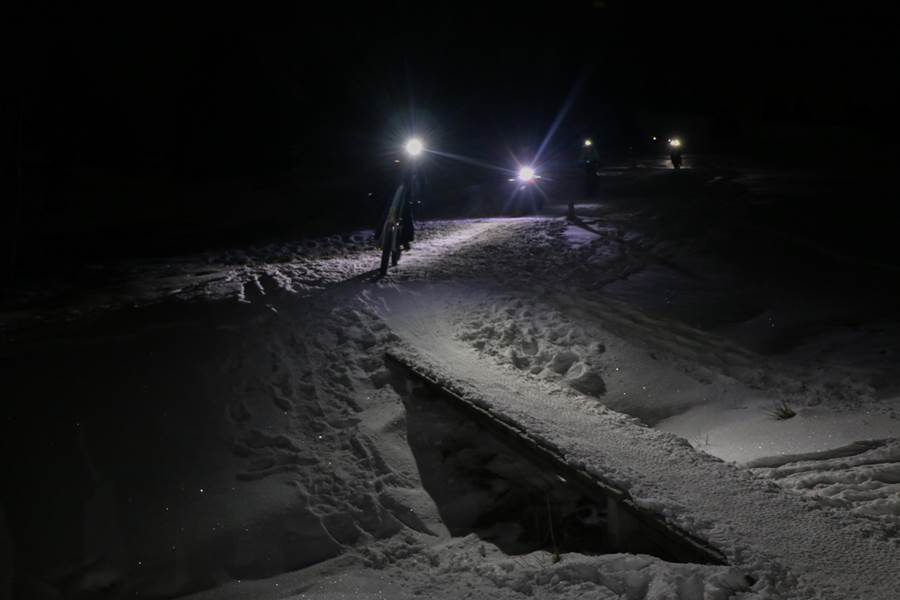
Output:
x=414 y=147
x=526 y=174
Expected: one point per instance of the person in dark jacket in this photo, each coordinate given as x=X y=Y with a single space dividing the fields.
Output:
x=676 y=152
x=590 y=162
x=409 y=196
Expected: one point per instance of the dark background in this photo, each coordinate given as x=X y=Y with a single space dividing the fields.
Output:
x=143 y=129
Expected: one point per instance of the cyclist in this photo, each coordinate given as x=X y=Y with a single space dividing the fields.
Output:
x=590 y=162
x=409 y=199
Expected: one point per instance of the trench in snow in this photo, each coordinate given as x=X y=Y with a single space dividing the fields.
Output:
x=486 y=479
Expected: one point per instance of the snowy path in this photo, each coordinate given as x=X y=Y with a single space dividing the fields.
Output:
x=305 y=268
x=797 y=549
x=300 y=438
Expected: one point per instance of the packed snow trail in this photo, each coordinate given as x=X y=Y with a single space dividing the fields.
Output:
x=304 y=267
x=300 y=445
x=795 y=548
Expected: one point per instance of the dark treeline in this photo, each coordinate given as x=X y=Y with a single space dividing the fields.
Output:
x=150 y=130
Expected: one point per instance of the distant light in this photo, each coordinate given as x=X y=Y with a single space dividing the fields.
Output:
x=675 y=143
x=526 y=174
x=414 y=147
x=397 y=161
x=654 y=138
x=588 y=142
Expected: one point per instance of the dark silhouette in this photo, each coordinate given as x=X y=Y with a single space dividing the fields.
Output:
x=676 y=149
x=590 y=162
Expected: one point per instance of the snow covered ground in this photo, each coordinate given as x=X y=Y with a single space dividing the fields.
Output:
x=227 y=420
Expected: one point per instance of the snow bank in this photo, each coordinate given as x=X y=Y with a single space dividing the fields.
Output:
x=761 y=529
x=471 y=568
x=297 y=449
x=863 y=478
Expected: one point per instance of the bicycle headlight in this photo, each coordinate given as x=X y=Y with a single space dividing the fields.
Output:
x=414 y=147
x=526 y=174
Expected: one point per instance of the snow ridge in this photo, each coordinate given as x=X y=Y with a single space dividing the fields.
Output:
x=762 y=530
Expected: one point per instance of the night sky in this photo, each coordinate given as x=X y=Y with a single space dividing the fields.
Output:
x=115 y=112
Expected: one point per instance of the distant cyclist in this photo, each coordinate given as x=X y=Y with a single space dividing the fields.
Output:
x=676 y=152
x=396 y=230
x=590 y=162
x=412 y=200
x=407 y=195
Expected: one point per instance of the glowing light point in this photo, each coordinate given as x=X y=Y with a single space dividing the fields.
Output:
x=526 y=174
x=414 y=147
x=588 y=142
x=675 y=143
